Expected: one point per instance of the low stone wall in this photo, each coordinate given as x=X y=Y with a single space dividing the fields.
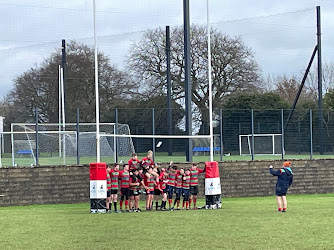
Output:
x=70 y=184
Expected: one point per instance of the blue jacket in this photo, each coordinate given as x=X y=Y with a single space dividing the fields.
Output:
x=285 y=178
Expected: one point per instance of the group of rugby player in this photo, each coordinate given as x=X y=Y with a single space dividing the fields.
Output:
x=144 y=177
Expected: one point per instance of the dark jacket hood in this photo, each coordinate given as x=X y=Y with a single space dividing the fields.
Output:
x=288 y=171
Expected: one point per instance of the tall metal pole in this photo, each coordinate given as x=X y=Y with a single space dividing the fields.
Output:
x=252 y=121
x=292 y=109
x=116 y=138
x=321 y=125
x=63 y=114
x=311 y=136
x=59 y=110
x=188 y=92
x=63 y=65
x=153 y=133
x=78 y=136
x=282 y=132
x=209 y=80
x=97 y=98
x=169 y=93
x=37 y=138
x=221 y=134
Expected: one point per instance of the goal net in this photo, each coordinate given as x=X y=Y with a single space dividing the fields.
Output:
x=56 y=140
x=264 y=144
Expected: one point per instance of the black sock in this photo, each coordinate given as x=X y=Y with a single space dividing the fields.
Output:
x=156 y=205
x=110 y=206
x=115 y=205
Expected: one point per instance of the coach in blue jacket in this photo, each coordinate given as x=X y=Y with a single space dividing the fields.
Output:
x=284 y=181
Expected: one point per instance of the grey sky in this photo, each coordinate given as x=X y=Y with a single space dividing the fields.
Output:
x=281 y=33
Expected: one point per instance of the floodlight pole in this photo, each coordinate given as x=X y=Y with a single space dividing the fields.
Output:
x=78 y=134
x=59 y=111
x=187 y=81
x=321 y=124
x=37 y=140
x=97 y=99
x=209 y=81
x=63 y=65
x=63 y=113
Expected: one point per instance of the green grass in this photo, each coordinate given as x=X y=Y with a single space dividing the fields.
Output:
x=160 y=157
x=242 y=223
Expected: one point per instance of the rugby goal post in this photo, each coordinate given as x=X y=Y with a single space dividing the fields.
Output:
x=264 y=144
x=54 y=140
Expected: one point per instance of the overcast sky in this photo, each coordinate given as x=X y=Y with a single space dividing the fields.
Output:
x=281 y=33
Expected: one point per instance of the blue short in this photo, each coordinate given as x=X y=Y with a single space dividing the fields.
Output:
x=170 y=191
x=178 y=190
x=185 y=191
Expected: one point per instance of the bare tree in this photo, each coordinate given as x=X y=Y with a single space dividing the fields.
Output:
x=287 y=88
x=233 y=66
x=327 y=78
x=38 y=87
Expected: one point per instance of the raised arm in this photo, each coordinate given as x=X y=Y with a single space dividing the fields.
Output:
x=273 y=172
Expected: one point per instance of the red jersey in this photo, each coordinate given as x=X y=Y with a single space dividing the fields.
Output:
x=186 y=182
x=171 y=178
x=194 y=176
x=149 y=182
x=125 y=179
x=162 y=184
x=146 y=162
x=179 y=179
x=157 y=180
x=135 y=179
x=133 y=164
x=108 y=181
x=114 y=179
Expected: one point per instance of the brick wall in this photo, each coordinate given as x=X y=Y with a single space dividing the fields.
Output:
x=70 y=184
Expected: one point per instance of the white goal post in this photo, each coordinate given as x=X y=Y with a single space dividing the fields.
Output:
x=56 y=140
x=264 y=144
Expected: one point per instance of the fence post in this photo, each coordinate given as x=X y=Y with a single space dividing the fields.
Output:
x=282 y=132
x=36 y=129
x=311 y=136
x=153 y=133
x=252 y=121
x=221 y=134
x=78 y=133
x=116 y=138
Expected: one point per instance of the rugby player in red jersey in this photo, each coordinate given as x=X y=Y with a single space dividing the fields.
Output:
x=186 y=189
x=114 y=174
x=171 y=184
x=134 y=163
x=124 y=176
x=142 y=187
x=147 y=161
x=157 y=188
x=149 y=183
x=178 y=188
x=163 y=180
x=135 y=182
x=194 y=172
x=108 y=204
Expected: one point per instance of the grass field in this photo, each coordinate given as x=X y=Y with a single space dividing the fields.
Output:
x=160 y=157
x=242 y=223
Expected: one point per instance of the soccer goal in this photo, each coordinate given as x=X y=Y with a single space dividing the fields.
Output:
x=264 y=144
x=54 y=141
